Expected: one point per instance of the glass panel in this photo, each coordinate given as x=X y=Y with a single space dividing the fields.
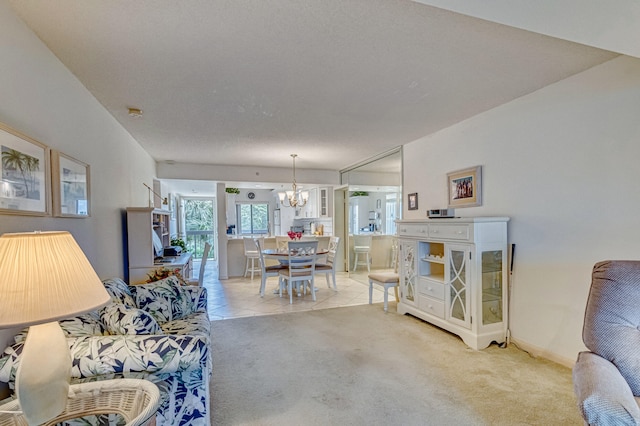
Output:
x=457 y=274
x=199 y=226
x=491 y=287
x=409 y=272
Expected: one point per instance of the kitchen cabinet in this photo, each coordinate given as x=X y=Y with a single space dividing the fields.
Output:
x=324 y=202
x=453 y=274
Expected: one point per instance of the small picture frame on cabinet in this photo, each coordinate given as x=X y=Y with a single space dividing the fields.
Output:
x=413 y=201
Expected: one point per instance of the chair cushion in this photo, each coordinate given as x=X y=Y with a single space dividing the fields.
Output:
x=385 y=277
x=612 y=317
x=323 y=267
x=276 y=268
x=121 y=319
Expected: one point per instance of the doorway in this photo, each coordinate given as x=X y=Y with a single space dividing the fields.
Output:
x=199 y=225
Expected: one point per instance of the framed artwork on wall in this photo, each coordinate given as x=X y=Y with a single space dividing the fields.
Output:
x=465 y=187
x=25 y=180
x=71 y=186
x=413 y=201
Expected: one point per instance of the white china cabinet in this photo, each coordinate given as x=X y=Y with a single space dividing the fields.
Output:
x=453 y=274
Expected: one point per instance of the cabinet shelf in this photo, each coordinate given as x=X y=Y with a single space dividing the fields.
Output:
x=433 y=259
x=491 y=294
x=434 y=277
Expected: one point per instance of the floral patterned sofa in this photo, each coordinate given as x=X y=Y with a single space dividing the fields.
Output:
x=159 y=331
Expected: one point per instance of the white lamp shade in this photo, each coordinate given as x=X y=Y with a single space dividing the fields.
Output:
x=45 y=276
x=305 y=195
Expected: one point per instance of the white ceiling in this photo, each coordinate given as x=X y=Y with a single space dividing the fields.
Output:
x=248 y=82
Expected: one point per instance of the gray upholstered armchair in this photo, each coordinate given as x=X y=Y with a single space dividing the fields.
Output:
x=607 y=379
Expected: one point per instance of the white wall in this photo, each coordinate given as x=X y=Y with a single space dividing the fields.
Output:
x=42 y=99
x=563 y=163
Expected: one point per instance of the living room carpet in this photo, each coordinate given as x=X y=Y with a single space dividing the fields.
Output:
x=359 y=366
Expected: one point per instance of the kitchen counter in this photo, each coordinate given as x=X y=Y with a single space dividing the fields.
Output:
x=236 y=260
x=380 y=253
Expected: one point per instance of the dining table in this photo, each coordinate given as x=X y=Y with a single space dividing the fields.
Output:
x=282 y=256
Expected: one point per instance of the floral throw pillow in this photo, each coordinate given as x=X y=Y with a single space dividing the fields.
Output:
x=166 y=299
x=121 y=319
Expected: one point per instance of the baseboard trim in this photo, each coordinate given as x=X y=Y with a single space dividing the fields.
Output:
x=539 y=352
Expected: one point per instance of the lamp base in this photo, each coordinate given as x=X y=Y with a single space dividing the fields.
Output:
x=42 y=379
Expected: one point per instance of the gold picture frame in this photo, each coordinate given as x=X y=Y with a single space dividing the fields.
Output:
x=25 y=180
x=71 y=186
x=465 y=187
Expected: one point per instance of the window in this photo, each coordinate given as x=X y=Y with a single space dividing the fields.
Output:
x=253 y=218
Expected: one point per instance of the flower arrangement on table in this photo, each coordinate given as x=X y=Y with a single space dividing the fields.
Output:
x=294 y=235
x=162 y=273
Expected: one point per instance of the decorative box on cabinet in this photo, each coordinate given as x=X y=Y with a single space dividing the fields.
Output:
x=453 y=274
x=141 y=223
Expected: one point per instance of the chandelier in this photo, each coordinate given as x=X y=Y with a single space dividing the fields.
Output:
x=294 y=198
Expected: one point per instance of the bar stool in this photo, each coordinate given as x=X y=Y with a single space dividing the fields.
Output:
x=362 y=247
x=253 y=256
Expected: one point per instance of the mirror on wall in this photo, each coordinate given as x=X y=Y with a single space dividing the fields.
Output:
x=373 y=197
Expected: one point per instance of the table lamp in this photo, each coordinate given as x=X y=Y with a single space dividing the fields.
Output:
x=44 y=277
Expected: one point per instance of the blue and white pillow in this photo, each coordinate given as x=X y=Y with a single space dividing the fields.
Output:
x=166 y=299
x=121 y=319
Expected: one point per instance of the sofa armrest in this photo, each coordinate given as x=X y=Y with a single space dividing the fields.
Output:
x=99 y=355
x=603 y=395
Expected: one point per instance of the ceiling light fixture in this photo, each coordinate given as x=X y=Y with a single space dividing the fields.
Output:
x=295 y=198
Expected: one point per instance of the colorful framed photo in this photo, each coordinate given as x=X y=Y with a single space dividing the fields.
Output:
x=413 y=201
x=25 y=180
x=465 y=187
x=71 y=186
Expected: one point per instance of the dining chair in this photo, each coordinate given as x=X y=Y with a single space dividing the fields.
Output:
x=203 y=262
x=300 y=268
x=362 y=247
x=252 y=256
x=282 y=243
x=329 y=268
x=386 y=280
x=266 y=271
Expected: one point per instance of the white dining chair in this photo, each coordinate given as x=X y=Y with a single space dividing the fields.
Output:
x=282 y=243
x=362 y=248
x=266 y=271
x=252 y=256
x=329 y=268
x=386 y=280
x=203 y=262
x=301 y=267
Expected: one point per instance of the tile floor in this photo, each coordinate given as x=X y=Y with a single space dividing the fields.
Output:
x=239 y=297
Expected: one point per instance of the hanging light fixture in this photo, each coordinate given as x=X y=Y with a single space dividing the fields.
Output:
x=294 y=198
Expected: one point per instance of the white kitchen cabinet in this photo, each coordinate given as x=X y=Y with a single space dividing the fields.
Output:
x=453 y=274
x=324 y=202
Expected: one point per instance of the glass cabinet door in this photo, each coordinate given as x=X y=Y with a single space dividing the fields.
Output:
x=458 y=274
x=492 y=282
x=408 y=271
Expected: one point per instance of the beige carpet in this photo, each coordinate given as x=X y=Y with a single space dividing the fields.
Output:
x=359 y=366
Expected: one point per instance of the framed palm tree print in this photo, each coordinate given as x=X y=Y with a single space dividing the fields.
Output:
x=25 y=179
